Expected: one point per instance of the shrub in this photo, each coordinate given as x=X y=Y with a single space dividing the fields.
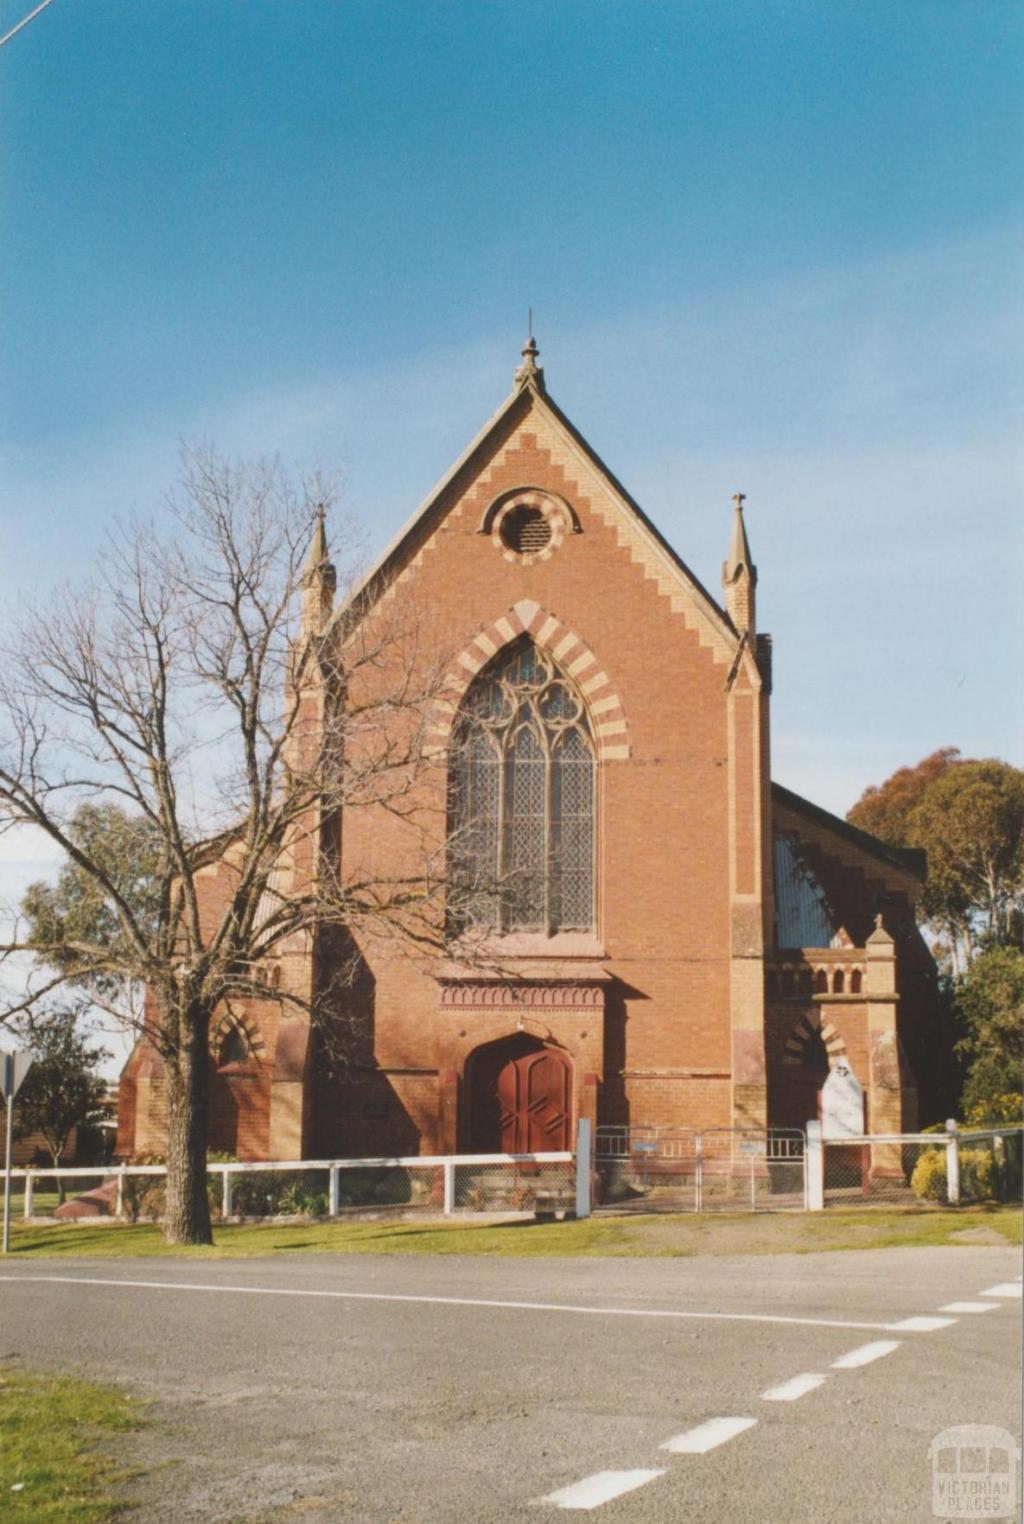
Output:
x=980 y=1176
x=280 y=1193
x=145 y=1196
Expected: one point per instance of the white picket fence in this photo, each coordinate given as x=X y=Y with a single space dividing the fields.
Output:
x=525 y=1177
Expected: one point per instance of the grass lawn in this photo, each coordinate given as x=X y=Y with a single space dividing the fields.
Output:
x=692 y=1234
x=56 y=1442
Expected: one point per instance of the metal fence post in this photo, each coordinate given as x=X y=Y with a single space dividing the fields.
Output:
x=449 y=1187
x=225 y=1193
x=29 y=1183
x=815 y=1168
x=952 y=1163
x=584 y=1136
x=334 y=1191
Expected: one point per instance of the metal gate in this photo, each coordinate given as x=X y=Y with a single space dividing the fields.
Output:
x=653 y=1169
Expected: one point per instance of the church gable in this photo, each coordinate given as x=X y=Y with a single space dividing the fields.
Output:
x=530 y=472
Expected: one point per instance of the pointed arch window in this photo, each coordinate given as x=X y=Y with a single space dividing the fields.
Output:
x=522 y=788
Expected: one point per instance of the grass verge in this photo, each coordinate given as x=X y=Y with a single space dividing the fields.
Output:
x=670 y=1236
x=56 y=1439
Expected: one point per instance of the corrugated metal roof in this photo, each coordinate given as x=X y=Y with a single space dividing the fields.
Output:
x=803 y=917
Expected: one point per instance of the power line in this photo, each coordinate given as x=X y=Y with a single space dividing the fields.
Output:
x=24 y=21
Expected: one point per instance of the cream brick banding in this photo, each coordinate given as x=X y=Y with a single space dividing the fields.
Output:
x=528 y=618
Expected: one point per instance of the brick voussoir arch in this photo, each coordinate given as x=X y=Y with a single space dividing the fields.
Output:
x=804 y=1031
x=569 y=650
x=231 y=1022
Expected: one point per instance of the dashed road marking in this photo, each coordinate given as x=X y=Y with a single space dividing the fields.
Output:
x=969 y=1307
x=797 y=1386
x=600 y=1488
x=865 y=1354
x=920 y=1325
x=1005 y=1288
x=452 y=1301
x=707 y=1436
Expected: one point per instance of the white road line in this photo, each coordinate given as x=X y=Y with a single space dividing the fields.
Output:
x=921 y=1325
x=1005 y=1288
x=969 y=1307
x=600 y=1488
x=790 y=1390
x=707 y=1436
x=458 y=1301
x=865 y=1354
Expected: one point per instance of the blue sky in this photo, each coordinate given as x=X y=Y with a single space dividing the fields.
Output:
x=771 y=246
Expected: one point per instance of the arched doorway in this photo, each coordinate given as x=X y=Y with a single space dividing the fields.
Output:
x=519 y=1098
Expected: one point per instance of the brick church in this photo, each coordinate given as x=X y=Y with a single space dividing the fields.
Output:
x=684 y=944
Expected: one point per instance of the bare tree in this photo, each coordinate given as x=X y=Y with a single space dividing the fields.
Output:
x=205 y=685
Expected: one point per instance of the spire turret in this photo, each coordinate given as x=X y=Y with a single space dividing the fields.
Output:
x=739 y=574
x=319 y=580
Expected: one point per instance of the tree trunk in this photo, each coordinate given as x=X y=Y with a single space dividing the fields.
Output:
x=187 y=1212
x=55 y=1155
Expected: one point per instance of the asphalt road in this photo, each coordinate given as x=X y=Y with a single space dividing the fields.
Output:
x=434 y=1390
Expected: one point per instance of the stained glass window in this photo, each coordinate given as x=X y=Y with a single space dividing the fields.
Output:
x=522 y=799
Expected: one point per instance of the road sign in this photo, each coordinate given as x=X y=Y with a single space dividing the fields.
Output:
x=13 y=1069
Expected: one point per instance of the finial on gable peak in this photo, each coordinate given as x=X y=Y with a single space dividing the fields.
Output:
x=530 y=373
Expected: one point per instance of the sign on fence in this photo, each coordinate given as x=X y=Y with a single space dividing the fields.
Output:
x=842 y=1104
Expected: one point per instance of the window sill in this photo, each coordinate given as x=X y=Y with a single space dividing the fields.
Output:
x=529 y=944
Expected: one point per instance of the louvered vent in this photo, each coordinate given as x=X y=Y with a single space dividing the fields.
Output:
x=526 y=531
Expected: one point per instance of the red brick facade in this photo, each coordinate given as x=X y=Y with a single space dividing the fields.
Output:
x=679 y=1007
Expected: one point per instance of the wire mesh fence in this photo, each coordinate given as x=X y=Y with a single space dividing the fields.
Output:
x=878 y=1172
x=646 y=1169
x=750 y=1170
x=719 y=1169
x=547 y=1188
x=991 y=1165
x=915 y=1169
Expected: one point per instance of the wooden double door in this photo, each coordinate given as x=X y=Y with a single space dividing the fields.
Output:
x=520 y=1098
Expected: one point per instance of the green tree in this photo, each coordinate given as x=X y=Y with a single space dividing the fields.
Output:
x=76 y=913
x=990 y=1002
x=968 y=816
x=884 y=810
x=970 y=821
x=62 y=1090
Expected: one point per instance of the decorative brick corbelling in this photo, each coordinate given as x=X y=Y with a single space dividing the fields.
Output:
x=527 y=618
x=547 y=996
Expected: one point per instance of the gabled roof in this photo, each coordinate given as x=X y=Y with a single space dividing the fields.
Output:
x=912 y=860
x=530 y=392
